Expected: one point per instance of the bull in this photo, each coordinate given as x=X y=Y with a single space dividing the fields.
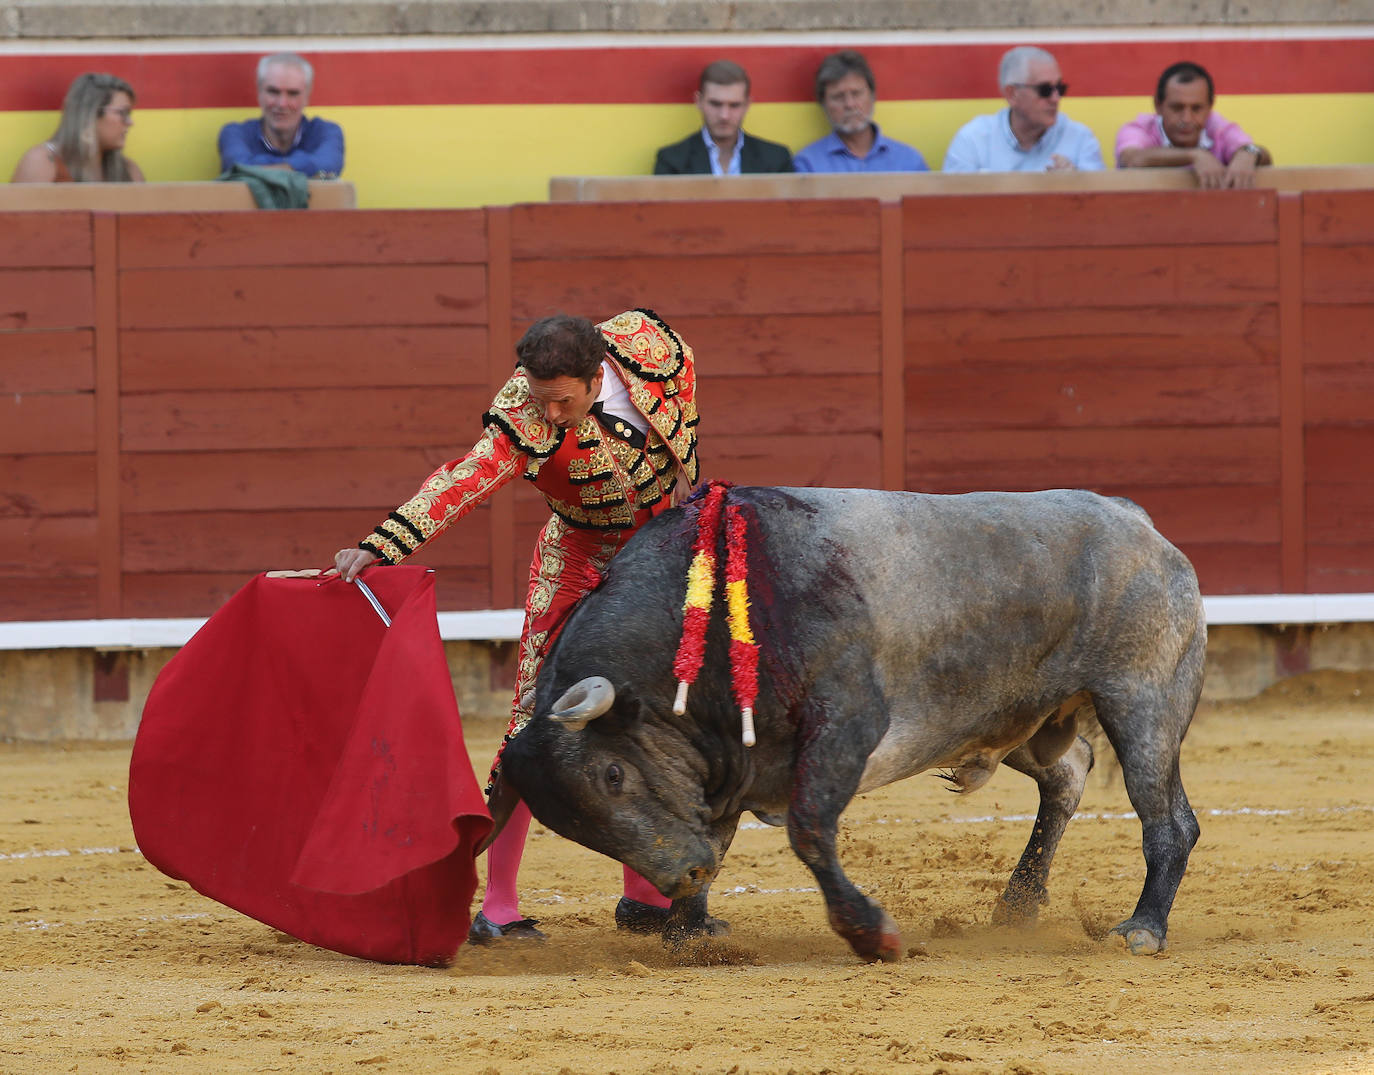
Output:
x=898 y=632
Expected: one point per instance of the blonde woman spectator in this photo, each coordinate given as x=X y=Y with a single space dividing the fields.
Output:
x=88 y=146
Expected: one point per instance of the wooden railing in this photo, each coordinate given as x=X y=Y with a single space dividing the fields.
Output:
x=189 y=398
x=895 y=186
x=158 y=197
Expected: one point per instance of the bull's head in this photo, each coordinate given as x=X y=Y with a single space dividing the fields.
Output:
x=600 y=771
x=579 y=704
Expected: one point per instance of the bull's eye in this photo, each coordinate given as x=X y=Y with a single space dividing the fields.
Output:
x=615 y=779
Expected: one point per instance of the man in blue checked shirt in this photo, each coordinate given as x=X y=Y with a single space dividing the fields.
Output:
x=846 y=90
x=284 y=137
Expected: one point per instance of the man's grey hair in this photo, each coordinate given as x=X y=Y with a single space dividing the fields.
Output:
x=1016 y=64
x=289 y=59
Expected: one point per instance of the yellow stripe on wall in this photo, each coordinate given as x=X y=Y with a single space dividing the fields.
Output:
x=461 y=156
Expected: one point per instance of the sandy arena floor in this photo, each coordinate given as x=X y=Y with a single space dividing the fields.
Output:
x=106 y=965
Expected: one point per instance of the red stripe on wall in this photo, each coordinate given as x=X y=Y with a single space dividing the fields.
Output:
x=649 y=75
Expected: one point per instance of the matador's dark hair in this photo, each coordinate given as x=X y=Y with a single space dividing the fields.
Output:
x=561 y=346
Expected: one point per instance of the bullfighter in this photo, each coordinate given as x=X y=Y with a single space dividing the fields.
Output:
x=602 y=419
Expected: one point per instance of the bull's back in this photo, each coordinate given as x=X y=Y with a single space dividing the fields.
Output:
x=978 y=606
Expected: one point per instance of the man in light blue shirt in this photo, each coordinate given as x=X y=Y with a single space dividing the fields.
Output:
x=846 y=90
x=1029 y=135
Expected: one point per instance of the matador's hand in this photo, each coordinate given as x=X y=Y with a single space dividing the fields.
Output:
x=348 y=562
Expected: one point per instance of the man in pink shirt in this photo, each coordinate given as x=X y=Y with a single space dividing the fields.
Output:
x=1184 y=132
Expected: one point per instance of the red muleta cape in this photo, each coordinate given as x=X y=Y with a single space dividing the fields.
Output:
x=304 y=764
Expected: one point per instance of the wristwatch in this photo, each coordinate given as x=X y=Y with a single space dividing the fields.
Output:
x=1250 y=147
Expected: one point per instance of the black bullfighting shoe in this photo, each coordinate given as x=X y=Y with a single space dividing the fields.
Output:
x=640 y=917
x=485 y=931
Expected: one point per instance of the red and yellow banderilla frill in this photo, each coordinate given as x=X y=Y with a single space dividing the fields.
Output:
x=696 y=606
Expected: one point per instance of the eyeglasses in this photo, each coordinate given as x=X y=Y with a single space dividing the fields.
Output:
x=125 y=114
x=1044 y=89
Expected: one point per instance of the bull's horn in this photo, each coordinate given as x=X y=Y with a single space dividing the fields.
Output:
x=582 y=702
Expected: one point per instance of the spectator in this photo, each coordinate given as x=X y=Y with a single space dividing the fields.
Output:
x=1029 y=135
x=284 y=137
x=88 y=146
x=721 y=147
x=1184 y=132
x=846 y=90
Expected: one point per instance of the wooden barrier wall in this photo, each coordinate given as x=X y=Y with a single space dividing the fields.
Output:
x=191 y=398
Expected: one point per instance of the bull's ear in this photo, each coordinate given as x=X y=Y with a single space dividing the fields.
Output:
x=502 y=803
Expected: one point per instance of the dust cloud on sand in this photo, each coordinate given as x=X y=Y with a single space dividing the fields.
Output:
x=106 y=965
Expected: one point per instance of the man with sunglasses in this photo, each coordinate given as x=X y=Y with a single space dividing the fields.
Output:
x=1184 y=132
x=1029 y=135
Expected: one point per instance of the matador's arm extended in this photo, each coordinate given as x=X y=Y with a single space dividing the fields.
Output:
x=446 y=496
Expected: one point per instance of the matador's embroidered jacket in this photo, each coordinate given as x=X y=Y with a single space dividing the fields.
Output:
x=591 y=478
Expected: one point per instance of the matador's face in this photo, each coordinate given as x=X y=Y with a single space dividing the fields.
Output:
x=566 y=400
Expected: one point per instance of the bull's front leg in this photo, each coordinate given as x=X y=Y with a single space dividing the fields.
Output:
x=829 y=765
x=688 y=919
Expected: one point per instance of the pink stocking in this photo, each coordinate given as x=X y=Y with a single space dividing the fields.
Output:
x=636 y=888
x=501 y=904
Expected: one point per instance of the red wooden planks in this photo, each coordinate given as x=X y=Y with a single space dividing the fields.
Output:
x=1155 y=335
x=47 y=547
x=1338 y=274
x=384 y=356
x=373 y=478
x=1337 y=334
x=1074 y=277
x=1089 y=458
x=796 y=405
x=779 y=345
x=842 y=460
x=45 y=299
x=1065 y=395
x=344 y=237
x=1337 y=217
x=69 y=597
x=61 y=360
x=251 y=541
x=698 y=285
x=1075 y=220
x=47 y=423
x=293 y=296
x=59 y=484
x=651 y=229
x=45 y=240
x=301 y=418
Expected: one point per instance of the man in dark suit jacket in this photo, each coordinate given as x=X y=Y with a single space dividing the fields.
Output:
x=720 y=147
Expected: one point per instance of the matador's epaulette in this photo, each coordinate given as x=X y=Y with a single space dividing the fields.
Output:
x=643 y=342
x=523 y=419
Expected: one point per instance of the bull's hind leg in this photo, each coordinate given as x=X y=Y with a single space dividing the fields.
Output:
x=1147 y=733
x=1061 y=787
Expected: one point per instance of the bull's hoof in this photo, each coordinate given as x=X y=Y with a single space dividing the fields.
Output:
x=1140 y=940
x=635 y=917
x=883 y=944
x=1018 y=908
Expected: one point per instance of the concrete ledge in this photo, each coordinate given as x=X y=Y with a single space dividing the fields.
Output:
x=503 y=624
x=484 y=625
x=72 y=19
